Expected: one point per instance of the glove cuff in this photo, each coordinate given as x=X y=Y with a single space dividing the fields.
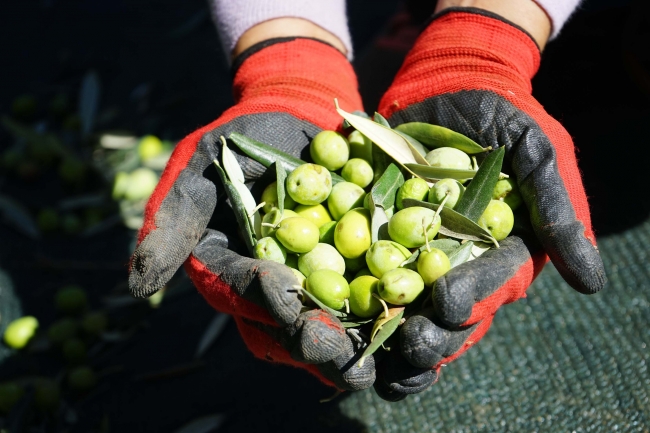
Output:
x=298 y=76
x=464 y=49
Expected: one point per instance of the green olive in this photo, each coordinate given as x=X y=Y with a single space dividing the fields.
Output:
x=352 y=234
x=62 y=329
x=449 y=157
x=360 y=146
x=142 y=182
x=149 y=147
x=70 y=300
x=297 y=234
x=94 y=323
x=329 y=149
x=315 y=213
x=498 y=219
x=507 y=191
x=362 y=303
x=344 y=197
x=400 y=286
x=82 y=378
x=20 y=331
x=269 y=248
x=415 y=188
x=450 y=188
x=329 y=287
x=326 y=233
x=432 y=265
x=323 y=256
x=10 y=394
x=358 y=171
x=383 y=256
x=270 y=198
x=407 y=226
x=74 y=350
x=273 y=218
x=309 y=184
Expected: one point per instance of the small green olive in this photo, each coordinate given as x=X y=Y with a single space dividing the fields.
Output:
x=326 y=233
x=20 y=331
x=322 y=256
x=415 y=188
x=358 y=171
x=309 y=184
x=149 y=147
x=315 y=213
x=62 y=329
x=450 y=188
x=94 y=323
x=329 y=149
x=82 y=378
x=507 y=191
x=329 y=287
x=297 y=234
x=362 y=303
x=269 y=248
x=432 y=265
x=74 y=350
x=360 y=146
x=449 y=157
x=407 y=226
x=344 y=197
x=383 y=256
x=70 y=300
x=273 y=218
x=352 y=234
x=400 y=286
x=498 y=219
x=142 y=182
x=10 y=394
x=270 y=198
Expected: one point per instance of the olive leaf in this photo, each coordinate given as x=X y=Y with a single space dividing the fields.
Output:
x=378 y=118
x=378 y=220
x=447 y=246
x=384 y=190
x=267 y=155
x=438 y=136
x=461 y=255
x=478 y=249
x=419 y=147
x=396 y=146
x=354 y=323
x=478 y=194
x=236 y=177
x=434 y=173
x=384 y=327
x=346 y=124
x=454 y=224
x=322 y=306
x=281 y=176
x=239 y=209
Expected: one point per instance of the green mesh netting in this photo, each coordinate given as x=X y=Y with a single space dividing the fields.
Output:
x=557 y=361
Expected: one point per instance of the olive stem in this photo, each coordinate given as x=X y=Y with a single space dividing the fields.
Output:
x=382 y=303
x=258 y=207
x=474 y=163
x=442 y=204
x=347 y=305
x=503 y=176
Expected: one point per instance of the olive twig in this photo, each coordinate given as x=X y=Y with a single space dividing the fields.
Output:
x=347 y=305
x=426 y=238
x=258 y=207
x=440 y=206
x=382 y=303
x=474 y=163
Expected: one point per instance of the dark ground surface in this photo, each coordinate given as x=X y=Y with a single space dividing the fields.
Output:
x=594 y=78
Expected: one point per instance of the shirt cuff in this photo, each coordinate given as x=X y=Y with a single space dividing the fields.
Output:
x=559 y=12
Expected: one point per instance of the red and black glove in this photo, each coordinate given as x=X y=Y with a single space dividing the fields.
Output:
x=471 y=71
x=284 y=91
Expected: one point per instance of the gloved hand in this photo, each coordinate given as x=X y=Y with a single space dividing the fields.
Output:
x=471 y=71
x=284 y=91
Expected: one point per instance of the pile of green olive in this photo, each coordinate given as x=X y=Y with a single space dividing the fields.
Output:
x=324 y=235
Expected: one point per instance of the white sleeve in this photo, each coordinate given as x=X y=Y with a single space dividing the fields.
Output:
x=559 y=11
x=234 y=17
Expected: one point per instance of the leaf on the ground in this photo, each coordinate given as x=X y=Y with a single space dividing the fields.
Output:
x=435 y=136
x=387 y=326
x=89 y=101
x=211 y=333
x=478 y=194
x=454 y=224
x=18 y=217
x=205 y=424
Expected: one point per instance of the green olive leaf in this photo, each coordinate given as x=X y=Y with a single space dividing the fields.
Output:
x=478 y=249
x=380 y=162
x=230 y=164
x=411 y=260
x=435 y=136
x=378 y=118
x=478 y=193
x=435 y=173
x=239 y=209
x=346 y=124
x=378 y=220
x=281 y=176
x=419 y=147
x=322 y=306
x=461 y=255
x=396 y=146
x=447 y=246
x=383 y=329
x=267 y=155
x=384 y=190
x=454 y=224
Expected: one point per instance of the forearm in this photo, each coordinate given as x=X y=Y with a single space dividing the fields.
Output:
x=244 y=23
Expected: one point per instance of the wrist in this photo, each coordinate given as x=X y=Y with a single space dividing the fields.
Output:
x=526 y=14
x=286 y=27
